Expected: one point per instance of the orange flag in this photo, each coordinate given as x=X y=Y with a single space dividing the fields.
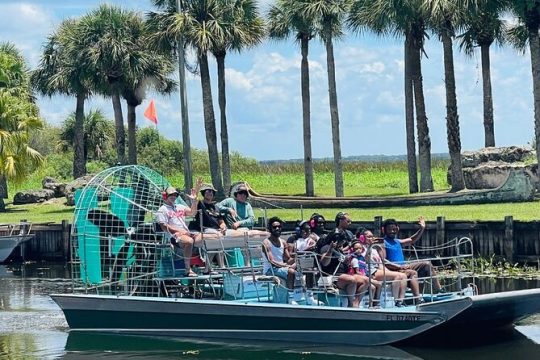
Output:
x=150 y=112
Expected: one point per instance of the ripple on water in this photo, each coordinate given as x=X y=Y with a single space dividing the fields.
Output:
x=32 y=321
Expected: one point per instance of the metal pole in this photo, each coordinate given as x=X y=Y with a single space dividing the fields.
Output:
x=186 y=143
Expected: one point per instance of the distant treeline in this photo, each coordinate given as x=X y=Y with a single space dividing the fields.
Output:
x=360 y=158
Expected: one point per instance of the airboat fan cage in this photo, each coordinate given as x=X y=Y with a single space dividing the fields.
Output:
x=115 y=211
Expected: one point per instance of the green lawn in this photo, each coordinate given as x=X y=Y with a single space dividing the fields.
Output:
x=365 y=179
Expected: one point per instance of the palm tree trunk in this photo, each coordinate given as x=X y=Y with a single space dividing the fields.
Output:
x=306 y=116
x=3 y=193
x=452 y=117
x=534 y=46
x=119 y=126
x=186 y=142
x=489 y=133
x=79 y=156
x=334 y=116
x=409 y=120
x=222 y=99
x=424 y=142
x=210 y=125
x=132 y=135
x=3 y=187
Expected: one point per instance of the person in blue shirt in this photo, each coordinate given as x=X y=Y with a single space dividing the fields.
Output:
x=394 y=253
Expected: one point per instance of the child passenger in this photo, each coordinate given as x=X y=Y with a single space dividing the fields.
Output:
x=358 y=265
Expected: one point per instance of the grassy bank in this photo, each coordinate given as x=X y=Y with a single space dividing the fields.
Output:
x=367 y=179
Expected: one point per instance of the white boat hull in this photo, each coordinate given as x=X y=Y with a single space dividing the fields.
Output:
x=9 y=243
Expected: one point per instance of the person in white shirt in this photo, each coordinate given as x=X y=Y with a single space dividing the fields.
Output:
x=172 y=219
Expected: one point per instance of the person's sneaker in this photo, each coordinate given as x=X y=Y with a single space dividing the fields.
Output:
x=292 y=302
x=420 y=301
x=399 y=303
x=310 y=300
x=440 y=291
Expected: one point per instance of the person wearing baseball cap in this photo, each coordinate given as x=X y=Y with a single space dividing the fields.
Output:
x=172 y=219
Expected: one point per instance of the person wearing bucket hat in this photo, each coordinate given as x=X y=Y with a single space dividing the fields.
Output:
x=212 y=220
x=172 y=219
x=237 y=211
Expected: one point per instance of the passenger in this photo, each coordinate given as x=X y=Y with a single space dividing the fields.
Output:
x=212 y=220
x=343 y=221
x=213 y=226
x=332 y=262
x=317 y=223
x=394 y=252
x=377 y=269
x=172 y=218
x=307 y=240
x=304 y=241
x=238 y=213
x=357 y=260
x=276 y=258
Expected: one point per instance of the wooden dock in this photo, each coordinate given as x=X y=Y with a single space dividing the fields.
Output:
x=515 y=241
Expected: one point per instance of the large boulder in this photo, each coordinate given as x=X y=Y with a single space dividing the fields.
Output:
x=510 y=154
x=33 y=196
x=73 y=186
x=52 y=184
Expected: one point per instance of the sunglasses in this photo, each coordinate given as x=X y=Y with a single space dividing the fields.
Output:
x=243 y=192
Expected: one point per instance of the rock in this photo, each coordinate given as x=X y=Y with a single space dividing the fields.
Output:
x=78 y=183
x=52 y=184
x=33 y=196
x=509 y=154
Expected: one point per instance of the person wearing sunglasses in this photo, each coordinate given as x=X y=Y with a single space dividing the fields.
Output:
x=237 y=210
x=276 y=259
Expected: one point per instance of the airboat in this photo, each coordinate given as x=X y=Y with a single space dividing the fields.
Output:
x=11 y=236
x=129 y=279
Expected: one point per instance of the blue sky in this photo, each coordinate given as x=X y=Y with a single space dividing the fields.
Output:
x=263 y=88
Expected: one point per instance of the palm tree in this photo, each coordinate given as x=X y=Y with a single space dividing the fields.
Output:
x=18 y=116
x=443 y=17
x=482 y=27
x=329 y=15
x=244 y=28
x=60 y=71
x=109 y=39
x=200 y=26
x=97 y=134
x=152 y=73
x=282 y=23
x=404 y=19
x=528 y=14
x=173 y=43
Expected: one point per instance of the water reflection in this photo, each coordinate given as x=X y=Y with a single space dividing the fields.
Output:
x=89 y=345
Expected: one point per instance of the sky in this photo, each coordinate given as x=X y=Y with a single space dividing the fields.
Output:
x=263 y=90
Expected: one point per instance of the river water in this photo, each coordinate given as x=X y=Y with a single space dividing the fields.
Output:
x=33 y=327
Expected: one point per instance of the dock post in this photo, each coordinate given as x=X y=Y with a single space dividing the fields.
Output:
x=440 y=235
x=65 y=238
x=377 y=223
x=509 y=238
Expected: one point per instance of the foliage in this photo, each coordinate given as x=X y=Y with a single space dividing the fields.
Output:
x=496 y=266
x=154 y=151
x=18 y=116
x=97 y=134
